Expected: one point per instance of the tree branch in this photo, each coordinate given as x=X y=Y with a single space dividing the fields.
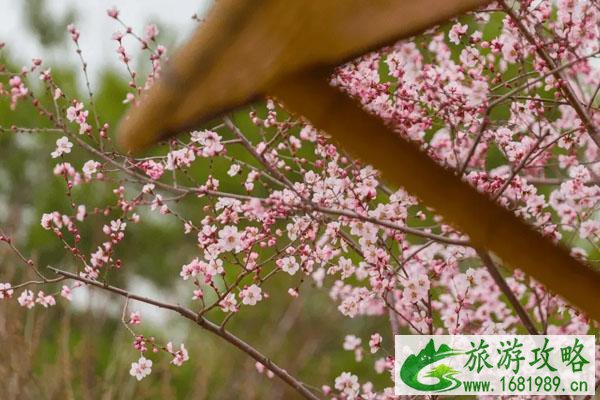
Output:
x=297 y=385
x=493 y=270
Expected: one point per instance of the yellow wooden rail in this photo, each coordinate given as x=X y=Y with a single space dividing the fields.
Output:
x=247 y=49
x=244 y=45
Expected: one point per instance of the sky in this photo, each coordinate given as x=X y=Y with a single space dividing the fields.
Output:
x=95 y=26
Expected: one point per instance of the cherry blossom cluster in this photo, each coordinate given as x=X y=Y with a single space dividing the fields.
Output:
x=506 y=96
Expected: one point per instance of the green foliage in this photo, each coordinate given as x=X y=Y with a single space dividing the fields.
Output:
x=49 y=30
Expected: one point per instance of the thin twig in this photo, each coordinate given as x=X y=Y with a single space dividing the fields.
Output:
x=501 y=282
x=205 y=324
x=566 y=87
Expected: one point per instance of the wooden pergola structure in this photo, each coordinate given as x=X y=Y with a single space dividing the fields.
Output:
x=287 y=49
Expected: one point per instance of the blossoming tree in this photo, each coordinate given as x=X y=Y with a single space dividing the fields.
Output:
x=507 y=97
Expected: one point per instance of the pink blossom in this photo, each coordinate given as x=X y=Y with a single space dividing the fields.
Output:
x=74 y=32
x=90 y=168
x=113 y=12
x=251 y=295
x=135 y=318
x=179 y=356
x=192 y=269
x=76 y=113
x=308 y=133
x=349 y=307
x=148 y=188
x=416 y=288
x=230 y=239
x=229 y=303
x=129 y=98
x=380 y=365
x=288 y=264
x=26 y=299
x=260 y=368
x=157 y=203
x=456 y=32
x=153 y=169
x=210 y=141
x=214 y=267
x=151 y=31
x=347 y=384
x=45 y=300
x=375 y=342
x=47 y=220
x=6 y=291
x=139 y=343
x=351 y=342
x=198 y=294
x=178 y=159
x=63 y=146
x=99 y=257
x=141 y=369
x=589 y=229
x=81 y=212
x=233 y=170
x=17 y=90
x=117 y=36
x=65 y=169
x=65 y=292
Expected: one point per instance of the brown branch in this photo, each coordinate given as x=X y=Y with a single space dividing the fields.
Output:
x=278 y=178
x=205 y=324
x=161 y=185
x=390 y=225
x=230 y=125
x=521 y=165
x=554 y=181
x=501 y=282
x=282 y=180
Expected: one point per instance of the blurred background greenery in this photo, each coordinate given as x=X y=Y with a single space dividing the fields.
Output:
x=83 y=351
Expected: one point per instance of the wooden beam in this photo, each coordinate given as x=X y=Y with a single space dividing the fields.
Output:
x=244 y=45
x=401 y=162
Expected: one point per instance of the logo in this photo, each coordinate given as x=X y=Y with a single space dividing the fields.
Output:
x=444 y=374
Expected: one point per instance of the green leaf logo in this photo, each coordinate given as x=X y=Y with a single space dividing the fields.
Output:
x=412 y=366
